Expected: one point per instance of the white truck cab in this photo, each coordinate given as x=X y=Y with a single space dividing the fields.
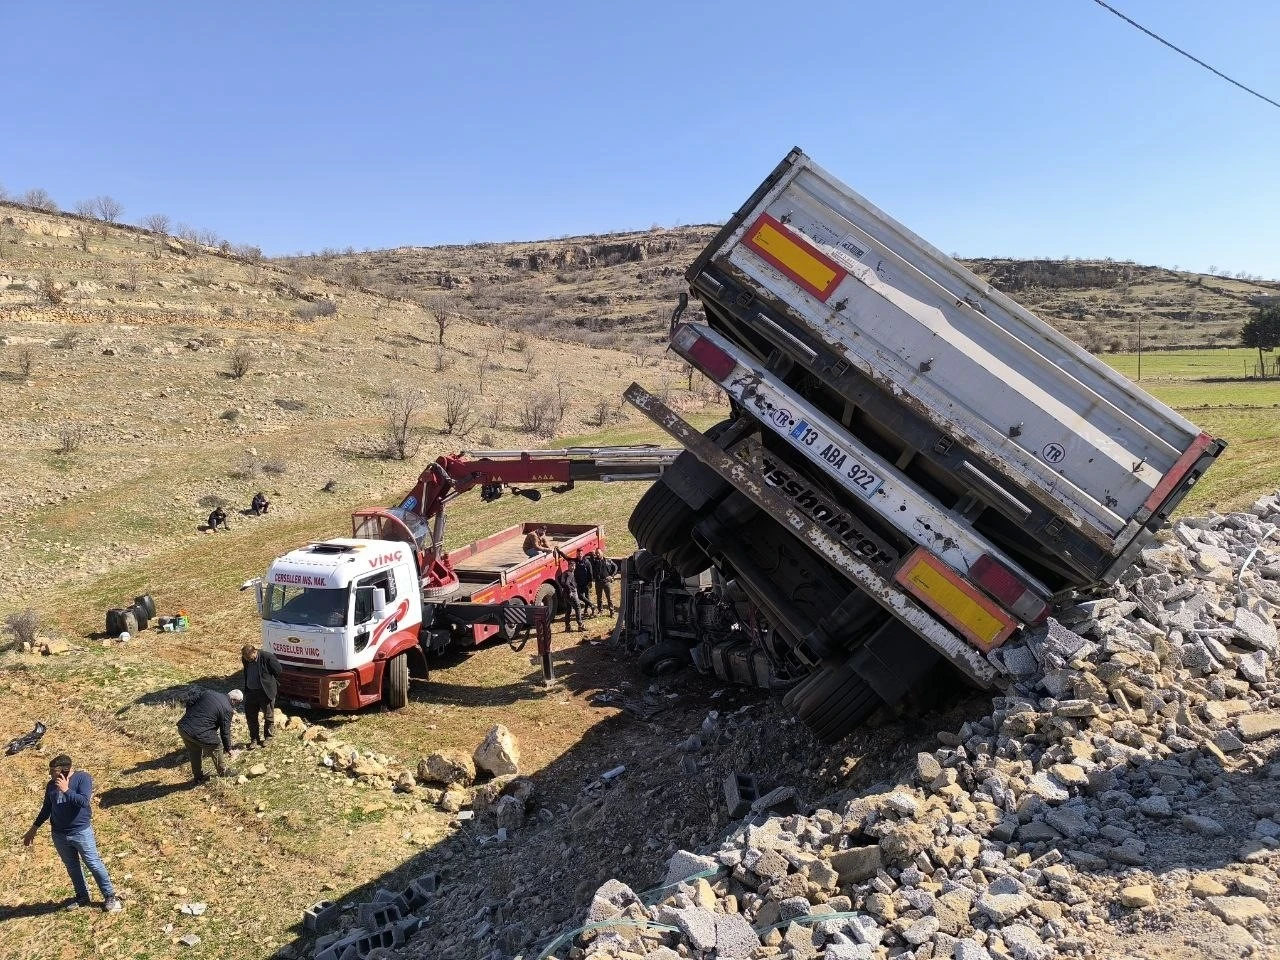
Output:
x=334 y=613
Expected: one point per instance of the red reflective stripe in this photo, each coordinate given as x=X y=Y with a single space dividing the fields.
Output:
x=1178 y=471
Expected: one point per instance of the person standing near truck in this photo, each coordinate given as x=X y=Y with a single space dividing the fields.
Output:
x=582 y=578
x=602 y=568
x=206 y=730
x=567 y=585
x=68 y=799
x=261 y=674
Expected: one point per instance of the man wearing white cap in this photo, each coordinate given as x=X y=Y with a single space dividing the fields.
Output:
x=206 y=729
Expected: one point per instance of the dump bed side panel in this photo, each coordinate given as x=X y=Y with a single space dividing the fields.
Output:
x=985 y=370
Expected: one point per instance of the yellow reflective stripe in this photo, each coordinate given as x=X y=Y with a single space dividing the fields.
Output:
x=795 y=257
x=931 y=586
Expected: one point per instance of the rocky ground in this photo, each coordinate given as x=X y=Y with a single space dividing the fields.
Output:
x=1121 y=799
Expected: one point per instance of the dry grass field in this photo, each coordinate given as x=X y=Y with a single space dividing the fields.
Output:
x=141 y=376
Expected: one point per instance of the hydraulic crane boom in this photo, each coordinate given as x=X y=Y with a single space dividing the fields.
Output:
x=420 y=517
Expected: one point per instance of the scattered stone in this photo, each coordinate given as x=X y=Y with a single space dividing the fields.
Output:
x=498 y=753
x=1258 y=726
x=1137 y=897
x=1239 y=910
x=447 y=767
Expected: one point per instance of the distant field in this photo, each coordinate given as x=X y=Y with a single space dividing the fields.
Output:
x=1189 y=364
x=1245 y=413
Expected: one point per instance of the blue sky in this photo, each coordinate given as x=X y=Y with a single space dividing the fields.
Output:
x=996 y=127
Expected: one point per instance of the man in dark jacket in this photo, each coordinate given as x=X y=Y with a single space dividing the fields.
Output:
x=567 y=587
x=261 y=670
x=67 y=806
x=206 y=729
x=582 y=578
x=602 y=569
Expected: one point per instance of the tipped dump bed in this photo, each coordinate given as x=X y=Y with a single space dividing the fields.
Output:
x=813 y=267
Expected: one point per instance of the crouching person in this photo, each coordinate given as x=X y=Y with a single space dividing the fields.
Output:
x=206 y=730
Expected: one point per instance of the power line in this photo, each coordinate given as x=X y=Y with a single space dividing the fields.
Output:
x=1155 y=36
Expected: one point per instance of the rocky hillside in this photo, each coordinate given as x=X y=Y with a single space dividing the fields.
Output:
x=143 y=377
x=620 y=288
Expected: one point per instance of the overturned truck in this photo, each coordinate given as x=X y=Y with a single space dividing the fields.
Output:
x=914 y=466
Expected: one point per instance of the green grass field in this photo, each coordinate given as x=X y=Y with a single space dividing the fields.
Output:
x=1244 y=412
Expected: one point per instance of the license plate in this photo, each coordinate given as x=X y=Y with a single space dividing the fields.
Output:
x=837 y=460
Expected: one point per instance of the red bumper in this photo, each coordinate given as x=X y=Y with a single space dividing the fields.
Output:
x=341 y=690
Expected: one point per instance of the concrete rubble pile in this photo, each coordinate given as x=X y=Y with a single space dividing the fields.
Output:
x=1125 y=787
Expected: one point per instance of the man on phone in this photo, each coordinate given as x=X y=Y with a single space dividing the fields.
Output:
x=67 y=798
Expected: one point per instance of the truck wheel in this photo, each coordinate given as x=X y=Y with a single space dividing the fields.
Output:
x=835 y=702
x=645 y=564
x=688 y=560
x=396 y=694
x=663 y=658
x=661 y=519
x=546 y=597
x=515 y=635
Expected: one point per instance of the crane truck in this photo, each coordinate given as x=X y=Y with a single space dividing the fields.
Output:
x=914 y=467
x=352 y=619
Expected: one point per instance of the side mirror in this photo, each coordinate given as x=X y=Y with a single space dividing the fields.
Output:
x=379 y=601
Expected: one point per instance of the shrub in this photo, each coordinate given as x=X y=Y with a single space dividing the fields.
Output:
x=211 y=500
x=311 y=311
x=274 y=467
x=53 y=293
x=26 y=362
x=23 y=626
x=70 y=437
x=287 y=403
x=241 y=362
x=231 y=415
x=603 y=412
x=69 y=339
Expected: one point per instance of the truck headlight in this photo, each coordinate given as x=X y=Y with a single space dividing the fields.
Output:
x=335 y=691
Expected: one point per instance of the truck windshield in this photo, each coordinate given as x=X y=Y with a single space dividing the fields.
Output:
x=305 y=606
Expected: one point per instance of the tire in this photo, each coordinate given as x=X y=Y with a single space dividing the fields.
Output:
x=546 y=597
x=115 y=621
x=147 y=604
x=140 y=614
x=688 y=560
x=663 y=659
x=515 y=636
x=661 y=520
x=834 y=702
x=130 y=620
x=396 y=694
x=645 y=564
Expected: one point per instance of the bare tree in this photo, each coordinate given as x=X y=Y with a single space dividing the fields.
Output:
x=494 y=417
x=527 y=356
x=84 y=232
x=403 y=407
x=157 y=223
x=603 y=412
x=84 y=208
x=459 y=410
x=241 y=362
x=534 y=413
x=107 y=209
x=27 y=362
x=130 y=282
x=4 y=194
x=38 y=199
x=440 y=316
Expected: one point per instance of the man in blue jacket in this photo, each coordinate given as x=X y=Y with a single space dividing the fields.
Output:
x=67 y=799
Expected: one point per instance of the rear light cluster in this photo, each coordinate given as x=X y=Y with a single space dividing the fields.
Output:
x=1007 y=587
x=703 y=354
